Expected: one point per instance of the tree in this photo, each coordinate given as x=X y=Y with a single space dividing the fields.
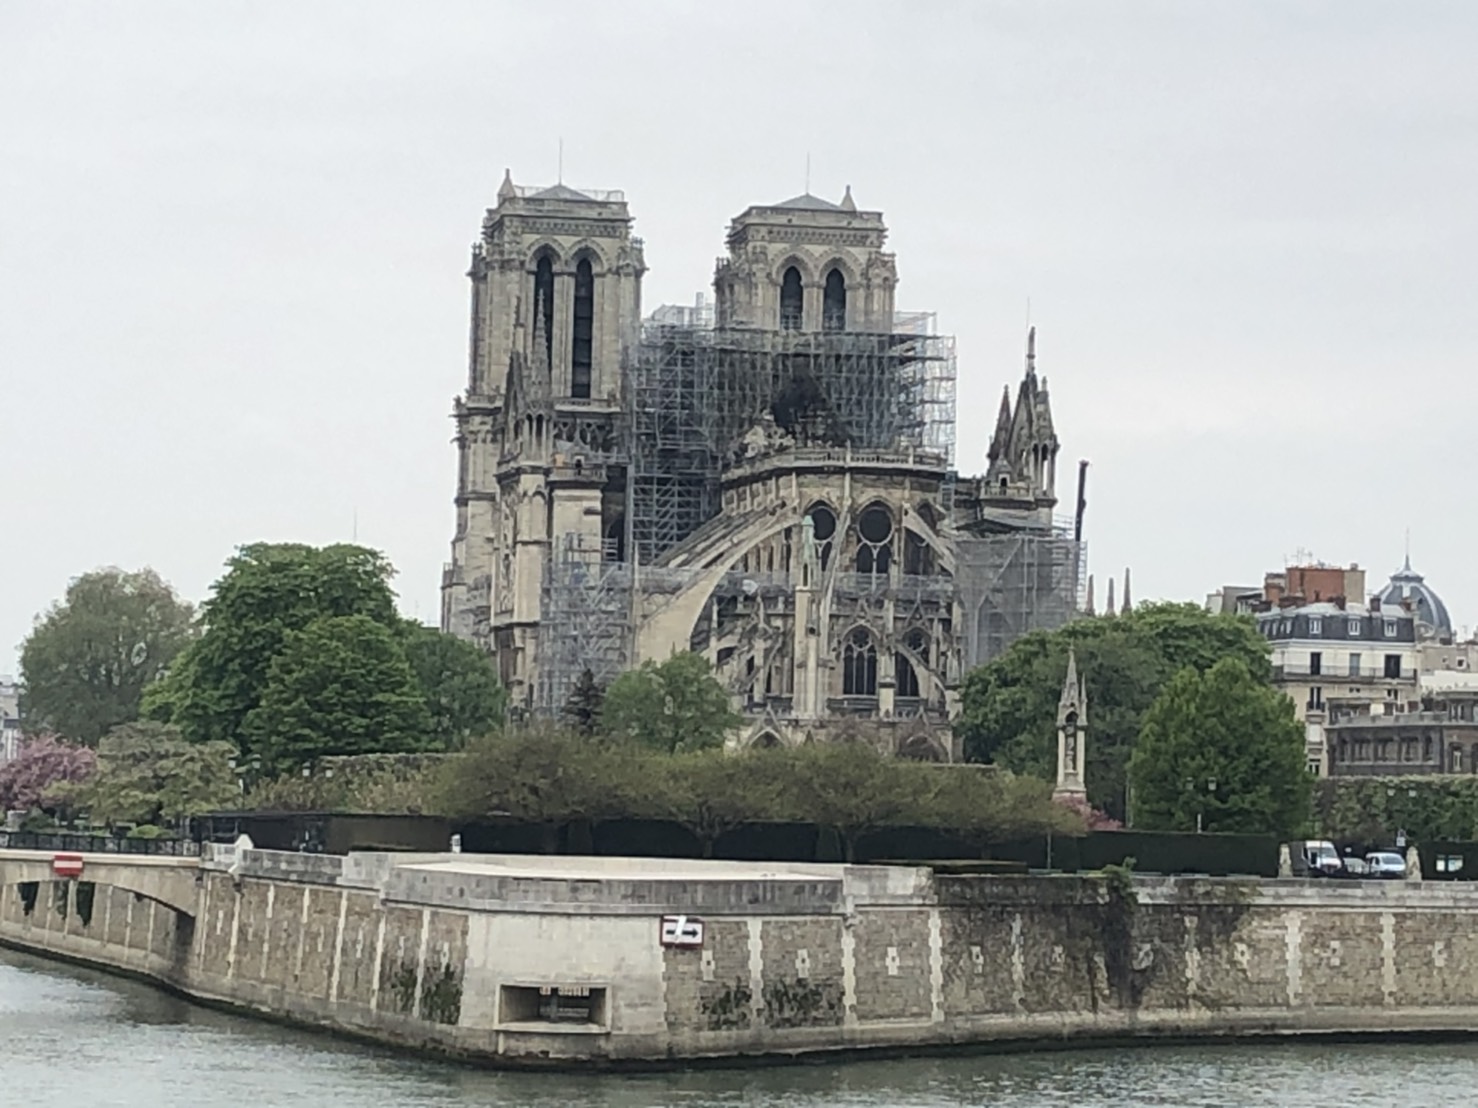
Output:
x=38 y=776
x=712 y=793
x=269 y=593
x=673 y=705
x=1009 y=705
x=148 y=773
x=549 y=775
x=458 y=684
x=341 y=685
x=1220 y=751
x=582 y=710
x=87 y=659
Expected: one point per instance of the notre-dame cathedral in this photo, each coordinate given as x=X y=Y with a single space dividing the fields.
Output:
x=768 y=481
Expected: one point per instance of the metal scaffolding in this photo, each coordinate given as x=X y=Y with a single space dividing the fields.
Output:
x=694 y=391
x=1010 y=584
x=585 y=620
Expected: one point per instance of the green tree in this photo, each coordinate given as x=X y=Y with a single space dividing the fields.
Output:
x=550 y=775
x=1009 y=706
x=341 y=685
x=87 y=659
x=1221 y=751
x=583 y=709
x=269 y=593
x=673 y=705
x=458 y=682
x=148 y=773
x=712 y=793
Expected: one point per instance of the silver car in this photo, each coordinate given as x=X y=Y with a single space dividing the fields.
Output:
x=1386 y=863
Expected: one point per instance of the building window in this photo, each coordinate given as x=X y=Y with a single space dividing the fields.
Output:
x=1354 y=665
x=834 y=302
x=1316 y=699
x=791 y=300
x=1316 y=663
x=905 y=676
x=859 y=665
x=1316 y=625
x=1354 y=628
x=544 y=303
x=1390 y=628
x=584 y=330
x=874 y=545
x=576 y=1004
x=1393 y=665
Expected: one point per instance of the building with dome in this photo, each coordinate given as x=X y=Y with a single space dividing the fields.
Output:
x=769 y=482
x=1407 y=589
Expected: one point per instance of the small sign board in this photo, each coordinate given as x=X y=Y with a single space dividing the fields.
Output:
x=67 y=865
x=682 y=931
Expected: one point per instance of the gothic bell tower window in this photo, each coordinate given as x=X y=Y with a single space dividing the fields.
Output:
x=544 y=301
x=584 y=327
x=791 y=300
x=834 y=302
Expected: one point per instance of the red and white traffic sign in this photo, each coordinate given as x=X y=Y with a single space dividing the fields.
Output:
x=67 y=865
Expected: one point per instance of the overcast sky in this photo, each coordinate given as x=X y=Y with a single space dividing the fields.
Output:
x=233 y=239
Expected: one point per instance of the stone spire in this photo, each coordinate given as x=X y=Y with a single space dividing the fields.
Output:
x=1108 y=607
x=1031 y=352
x=1072 y=733
x=1088 y=607
x=848 y=204
x=1125 y=605
x=506 y=191
x=1000 y=444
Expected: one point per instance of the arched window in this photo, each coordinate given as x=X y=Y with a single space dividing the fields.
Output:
x=905 y=677
x=584 y=329
x=544 y=302
x=823 y=529
x=834 y=302
x=859 y=665
x=874 y=540
x=790 y=300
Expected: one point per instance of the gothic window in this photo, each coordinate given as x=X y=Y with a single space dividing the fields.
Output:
x=905 y=676
x=614 y=547
x=874 y=545
x=544 y=301
x=918 y=555
x=790 y=300
x=824 y=529
x=859 y=665
x=834 y=302
x=584 y=328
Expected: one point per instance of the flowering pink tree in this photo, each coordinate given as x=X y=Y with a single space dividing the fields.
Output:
x=31 y=779
x=1093 y=819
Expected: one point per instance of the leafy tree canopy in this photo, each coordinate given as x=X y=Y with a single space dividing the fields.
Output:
x=1009 y=705
x=1221 y=751
x=148 y=773
x=341 y=685
x=670 y=706
x=38 y=776
x=460 y=687
x=86 y=661
x=269 y=592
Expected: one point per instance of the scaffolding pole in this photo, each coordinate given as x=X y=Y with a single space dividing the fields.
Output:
x=585 y=620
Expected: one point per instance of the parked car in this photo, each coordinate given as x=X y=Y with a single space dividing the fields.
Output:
x=1318 y=858
x=1386 y=863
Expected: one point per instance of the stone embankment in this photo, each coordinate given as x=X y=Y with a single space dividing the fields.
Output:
x=541 y=960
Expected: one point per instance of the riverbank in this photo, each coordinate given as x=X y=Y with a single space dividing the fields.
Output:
x=538 y=961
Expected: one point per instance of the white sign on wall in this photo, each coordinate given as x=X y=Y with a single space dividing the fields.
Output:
x=681 y=931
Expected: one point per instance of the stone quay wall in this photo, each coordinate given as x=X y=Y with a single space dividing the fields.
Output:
x=466 y=955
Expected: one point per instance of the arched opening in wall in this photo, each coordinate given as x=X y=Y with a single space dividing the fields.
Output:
x=766 y=740
x=859 y=665
x=780 y=676
x=544 y=302
x=905 y=676
x=919 y=748
x=583 y=328
x=874 y=540
x=918 y=555
x=613 y=548
x=834 y=302
x=791 y=300
x=823 y=530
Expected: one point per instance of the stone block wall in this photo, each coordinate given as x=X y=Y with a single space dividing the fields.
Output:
x=873 y=961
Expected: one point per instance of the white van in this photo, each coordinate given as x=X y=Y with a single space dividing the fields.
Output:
x=1320 y=858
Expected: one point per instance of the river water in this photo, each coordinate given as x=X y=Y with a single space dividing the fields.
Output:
x=75 y=1037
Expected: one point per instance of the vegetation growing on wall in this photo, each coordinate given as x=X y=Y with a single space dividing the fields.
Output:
x=1372 y=810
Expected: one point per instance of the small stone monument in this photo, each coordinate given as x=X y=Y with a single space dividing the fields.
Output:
x=1072 y=733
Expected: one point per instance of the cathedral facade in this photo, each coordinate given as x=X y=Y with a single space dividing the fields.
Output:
x=773 y=487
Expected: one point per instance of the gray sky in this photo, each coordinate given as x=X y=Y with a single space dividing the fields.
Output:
x=233 y=239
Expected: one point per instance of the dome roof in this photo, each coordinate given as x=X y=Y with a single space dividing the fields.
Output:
x=1407 y=585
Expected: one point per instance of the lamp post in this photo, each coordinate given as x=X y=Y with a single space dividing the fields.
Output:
x=1192 y=786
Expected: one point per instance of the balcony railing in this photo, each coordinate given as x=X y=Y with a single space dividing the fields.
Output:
x=1338 y=674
